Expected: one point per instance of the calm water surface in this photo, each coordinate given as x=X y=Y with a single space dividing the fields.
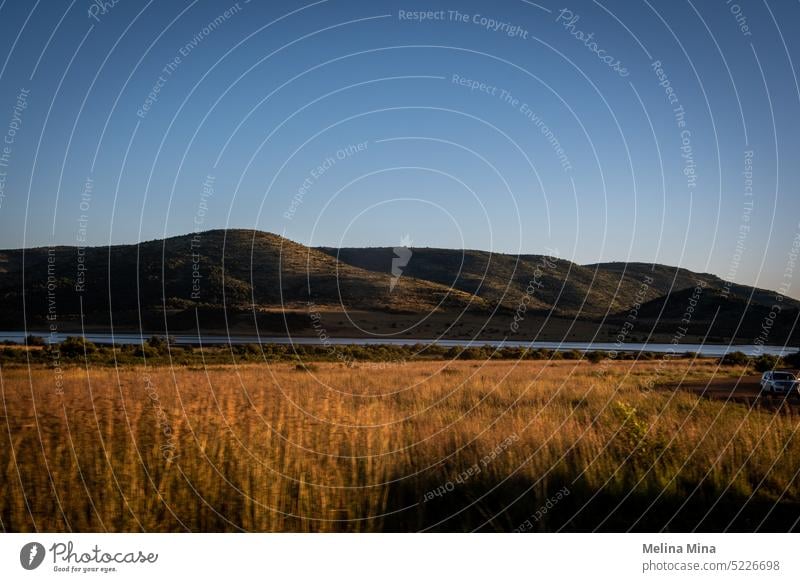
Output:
x=193 y=339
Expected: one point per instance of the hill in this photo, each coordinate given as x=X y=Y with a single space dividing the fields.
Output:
x=246 y=280
x=218 y=272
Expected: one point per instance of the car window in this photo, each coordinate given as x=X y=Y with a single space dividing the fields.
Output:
x=783 y=376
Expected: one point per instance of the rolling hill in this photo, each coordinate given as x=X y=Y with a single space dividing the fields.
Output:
x=242 y=279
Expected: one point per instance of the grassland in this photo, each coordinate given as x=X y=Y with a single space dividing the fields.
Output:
x=404 y=446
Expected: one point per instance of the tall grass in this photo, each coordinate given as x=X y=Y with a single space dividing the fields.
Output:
x=331 y=448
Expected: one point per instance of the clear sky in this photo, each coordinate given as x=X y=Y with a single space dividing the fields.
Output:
x=657 y=131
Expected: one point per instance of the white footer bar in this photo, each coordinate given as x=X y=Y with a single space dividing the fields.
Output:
x=400 y=557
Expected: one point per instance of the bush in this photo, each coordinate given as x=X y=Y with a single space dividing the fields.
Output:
x=159 y=343
x=596 y=357
x=635 y=436
x=34 y=340
x=471 y=354
x=247 y=349
x=792 y=360
x=734 y=359
x=74 y=347
x=146 y=350
x=764 y=363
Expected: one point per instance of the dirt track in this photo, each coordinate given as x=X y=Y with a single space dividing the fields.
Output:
x=745 y=390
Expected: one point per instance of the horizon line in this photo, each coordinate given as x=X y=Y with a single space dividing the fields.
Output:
x=322 y=246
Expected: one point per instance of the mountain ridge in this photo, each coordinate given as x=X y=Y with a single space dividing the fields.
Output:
x=248 y=278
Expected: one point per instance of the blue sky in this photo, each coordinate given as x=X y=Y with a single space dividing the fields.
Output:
x=523 y=136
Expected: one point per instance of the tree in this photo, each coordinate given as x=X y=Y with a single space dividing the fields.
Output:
x=74 y=347
x=765 y=362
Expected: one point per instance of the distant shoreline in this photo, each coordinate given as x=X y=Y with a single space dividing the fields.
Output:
x=211 y=339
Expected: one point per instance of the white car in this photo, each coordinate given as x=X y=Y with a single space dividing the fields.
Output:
x=779 y=383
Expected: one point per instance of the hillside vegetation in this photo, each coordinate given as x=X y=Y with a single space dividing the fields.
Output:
x=245 y=279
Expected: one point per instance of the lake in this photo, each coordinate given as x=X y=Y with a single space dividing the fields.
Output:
x=192 y=339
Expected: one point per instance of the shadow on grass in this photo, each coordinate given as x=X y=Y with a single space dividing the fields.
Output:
x=564 y=505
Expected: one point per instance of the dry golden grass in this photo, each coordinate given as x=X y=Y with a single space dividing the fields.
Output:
x=272 y=448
